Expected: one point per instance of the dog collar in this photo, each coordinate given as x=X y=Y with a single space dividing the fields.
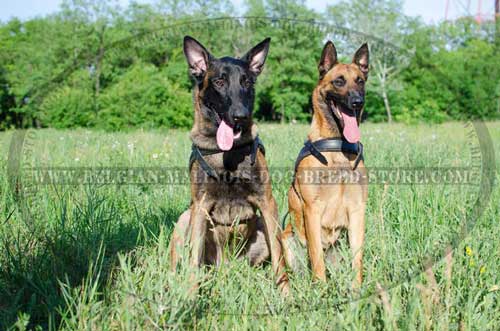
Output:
x=198 y=153
x=330 y=145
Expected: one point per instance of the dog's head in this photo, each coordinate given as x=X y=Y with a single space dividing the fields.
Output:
x=342 y=88
x=226 y=88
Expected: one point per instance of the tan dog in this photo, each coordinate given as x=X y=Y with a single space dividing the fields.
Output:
x=321 y=201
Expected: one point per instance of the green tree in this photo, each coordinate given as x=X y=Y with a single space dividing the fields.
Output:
x=285 y=88
x=144 y=97
x=97 y=17
x=69 y=69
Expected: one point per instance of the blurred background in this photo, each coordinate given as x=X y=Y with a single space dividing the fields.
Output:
x=116 y=65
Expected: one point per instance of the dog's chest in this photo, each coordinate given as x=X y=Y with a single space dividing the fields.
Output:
x=237 y=181
x=340 y=189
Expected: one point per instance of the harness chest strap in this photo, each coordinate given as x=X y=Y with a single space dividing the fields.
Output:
x=198 y=153
x=330 y=145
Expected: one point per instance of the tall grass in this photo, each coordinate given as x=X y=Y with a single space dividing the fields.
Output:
x=94 y=257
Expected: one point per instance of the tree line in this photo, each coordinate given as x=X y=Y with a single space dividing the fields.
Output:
x=96 y=64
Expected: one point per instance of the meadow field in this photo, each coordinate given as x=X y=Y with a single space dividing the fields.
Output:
x=93 y=256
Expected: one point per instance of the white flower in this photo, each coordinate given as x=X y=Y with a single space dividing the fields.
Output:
x=155 y=156
x=77 y=159
x=130 y=147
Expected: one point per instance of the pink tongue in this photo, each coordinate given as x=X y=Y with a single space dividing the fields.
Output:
x=225 y=136
x=351 y=130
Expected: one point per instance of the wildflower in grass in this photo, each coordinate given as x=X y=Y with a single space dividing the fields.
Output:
x=77 y=159
x=130 y=147
x=482 y=270
x=155 y=156
x=470 y=253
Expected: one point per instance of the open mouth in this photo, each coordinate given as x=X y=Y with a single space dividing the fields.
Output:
x=226 y=135
x=350 y=128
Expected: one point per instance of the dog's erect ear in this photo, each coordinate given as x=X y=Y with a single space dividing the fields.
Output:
x=362 y=59
x=197 y=57
x=256 y=57
x=328 y=59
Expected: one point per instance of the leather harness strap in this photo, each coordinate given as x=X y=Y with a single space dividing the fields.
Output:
x=330 y=145
x=198 y=153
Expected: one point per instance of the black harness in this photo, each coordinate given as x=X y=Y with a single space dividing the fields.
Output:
x=330 y=145
x=198 y=153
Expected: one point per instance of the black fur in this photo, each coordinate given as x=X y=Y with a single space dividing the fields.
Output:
x=227 y=83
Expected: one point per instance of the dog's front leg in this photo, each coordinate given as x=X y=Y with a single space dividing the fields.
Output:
x=272 y=231
x=312 y=220
x=198 y=226
x=356 y=233
x=179 y=238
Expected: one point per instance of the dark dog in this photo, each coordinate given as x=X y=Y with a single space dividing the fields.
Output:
x=320 y=211
x=229 y=176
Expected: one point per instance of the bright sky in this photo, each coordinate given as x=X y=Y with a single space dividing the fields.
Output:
x=430 y=10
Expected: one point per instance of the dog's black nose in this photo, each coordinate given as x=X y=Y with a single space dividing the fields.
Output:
x=357 y=102
x=241 y=115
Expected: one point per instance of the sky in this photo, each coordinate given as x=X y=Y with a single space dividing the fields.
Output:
x=430 y=10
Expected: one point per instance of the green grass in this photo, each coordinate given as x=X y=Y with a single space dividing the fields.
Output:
x=94 y=257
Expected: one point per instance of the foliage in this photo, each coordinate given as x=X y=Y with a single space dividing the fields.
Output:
x=143 y=96
x=72 y=68
x=453 y=75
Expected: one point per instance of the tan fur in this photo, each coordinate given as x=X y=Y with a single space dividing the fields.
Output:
x=320 y=212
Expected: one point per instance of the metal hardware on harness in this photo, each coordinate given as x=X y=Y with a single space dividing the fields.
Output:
x=198 y=153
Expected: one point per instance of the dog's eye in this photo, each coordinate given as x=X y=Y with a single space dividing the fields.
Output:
x=360 y=82
x=245 y=82
x=219 y=82
x=339 y=82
